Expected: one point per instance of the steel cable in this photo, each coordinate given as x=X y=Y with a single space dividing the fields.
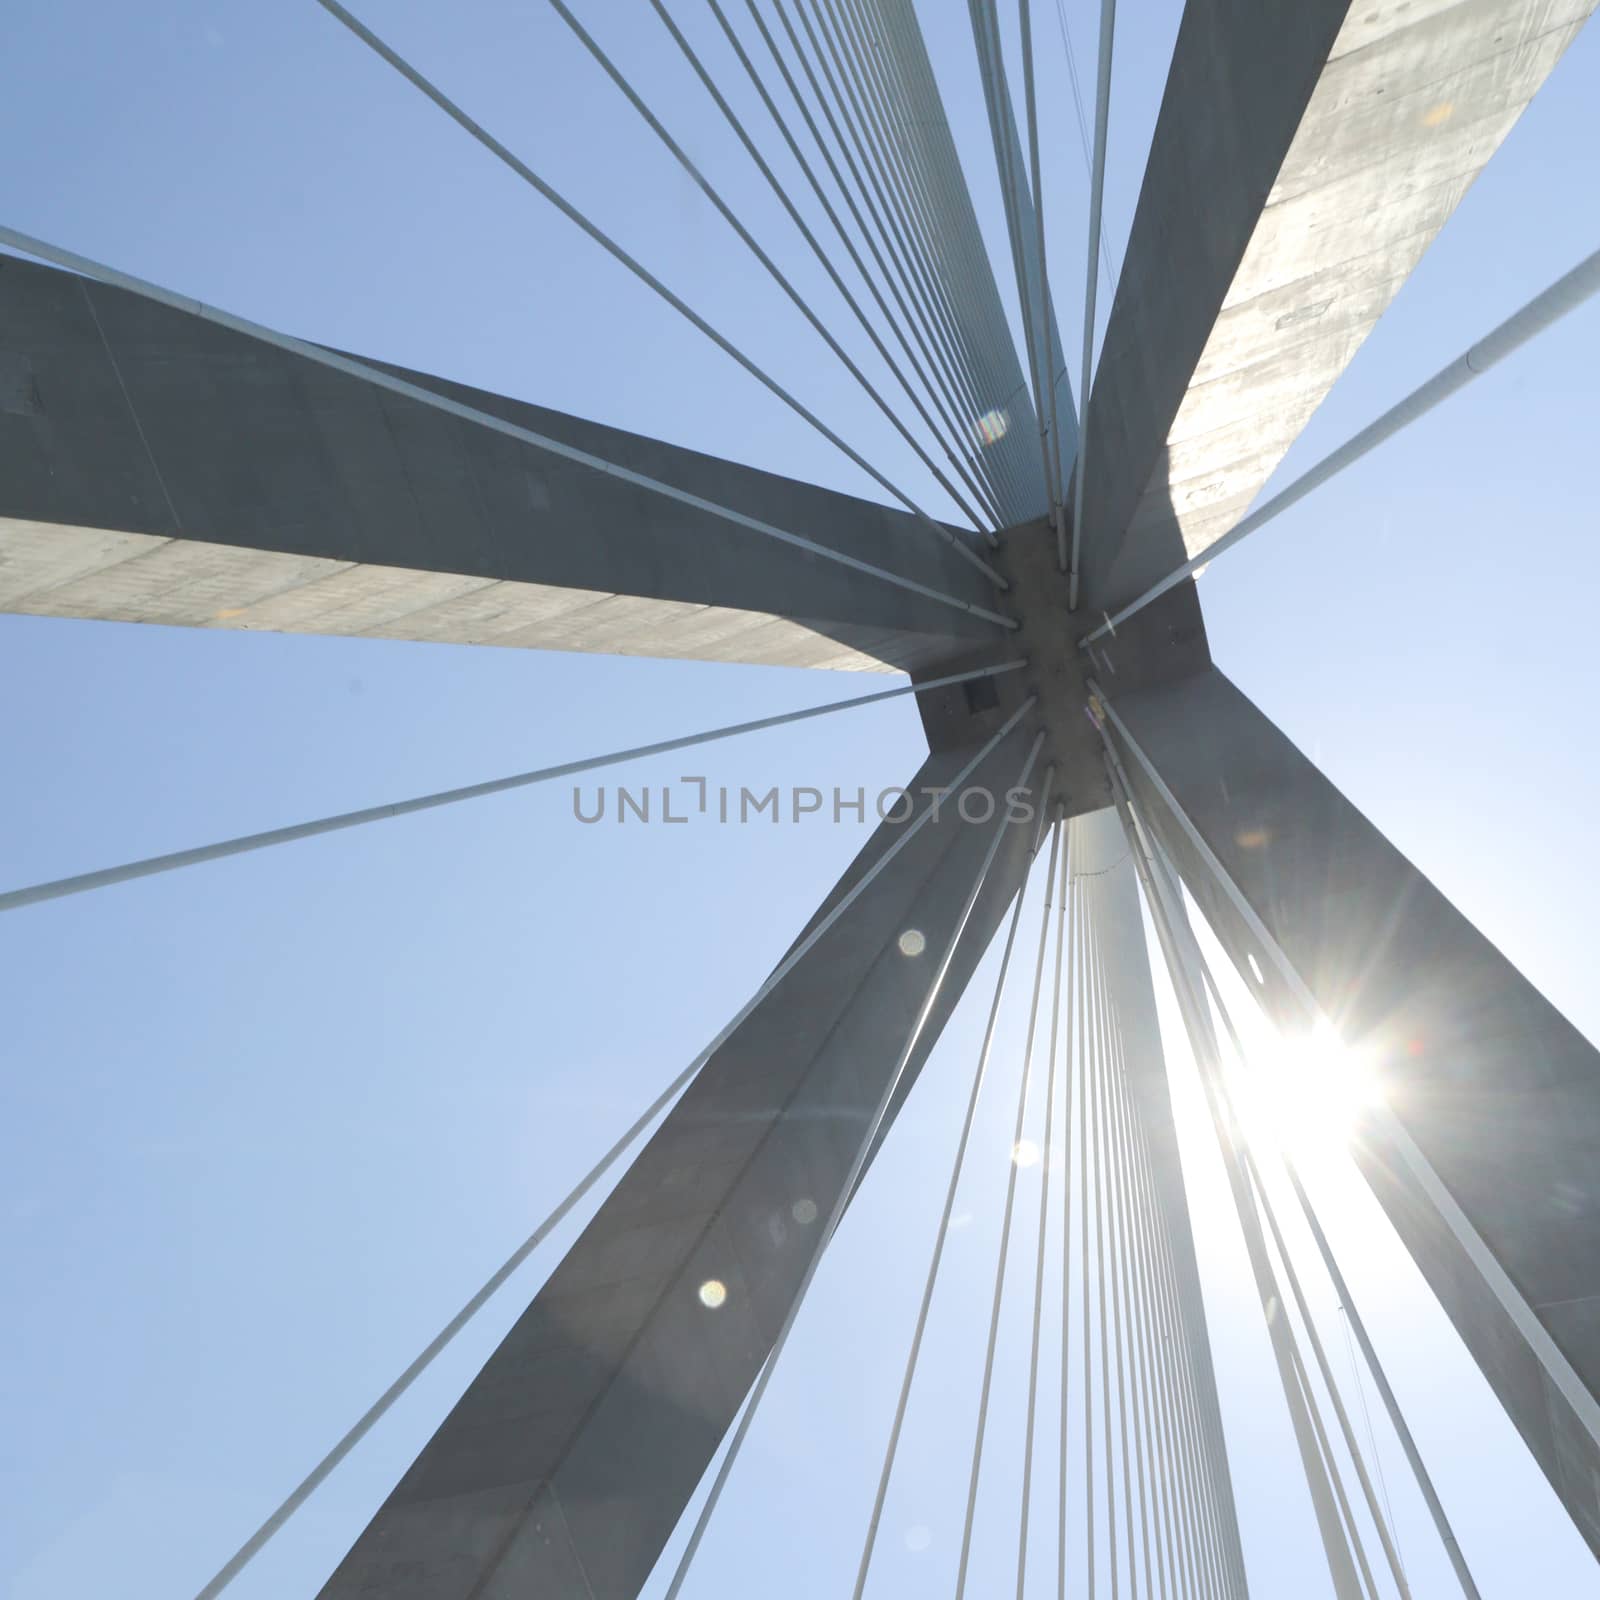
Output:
x=502 y=153
x=932 y=150
x=939 y=383
x=1047 y=1153
x=151 y=865
x=943 y=1231
x=727 y=213
x=374 y=1413
x=1024 y=1093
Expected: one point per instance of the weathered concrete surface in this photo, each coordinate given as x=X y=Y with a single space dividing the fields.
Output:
x=1498 y=1091
x=564 y=1468
x=157 y=468
x=1268 y=241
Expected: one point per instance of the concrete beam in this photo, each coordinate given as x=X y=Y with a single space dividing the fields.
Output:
x=564 y=1468
x=1494 y=1088
x=1269 y=240
x=155 y=467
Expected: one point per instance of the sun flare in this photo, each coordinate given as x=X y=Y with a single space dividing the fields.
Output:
x=1312 y=1087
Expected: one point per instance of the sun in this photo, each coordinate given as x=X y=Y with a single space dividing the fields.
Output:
x=1312 y=1087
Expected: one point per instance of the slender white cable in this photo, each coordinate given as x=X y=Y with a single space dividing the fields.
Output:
x=1024 y=1093
x=236 y=1564
x=941 y=1236
x=1049 y=420
x=1069 y=1173
x=151 y=865
x=1102 y=104
x=1047 y=1156
x=776 y=273
x=1104 y=1301
x=1128 y=1316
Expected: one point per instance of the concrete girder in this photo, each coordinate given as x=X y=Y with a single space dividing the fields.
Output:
x=1268 y=242
x=1495 y=1090
x=155 y=467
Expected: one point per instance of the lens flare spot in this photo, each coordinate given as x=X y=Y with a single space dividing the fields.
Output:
x=1025 y=1153
x=992 y=427
x=912 y=943
x=918 y=1538
x=1437 y=116
x=713 y=1293
x=804 y=1212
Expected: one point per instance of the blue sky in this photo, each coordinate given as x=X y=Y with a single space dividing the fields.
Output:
x=267 y=1123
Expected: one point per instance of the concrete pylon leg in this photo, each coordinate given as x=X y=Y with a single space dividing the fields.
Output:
x=1484 y=1156
x=564 y=1468
x=1100 y=852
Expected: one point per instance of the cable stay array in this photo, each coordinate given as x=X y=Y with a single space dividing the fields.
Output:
x=880 y=106
x=773 y=270
x=1128 y=1423
x=392 y=57
x=1123 y=1459
x=1143 y=1502
x=1201 y=1005
x=944 y=431
x=1025 y=239
x=1091 y=281
x=951 y=391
